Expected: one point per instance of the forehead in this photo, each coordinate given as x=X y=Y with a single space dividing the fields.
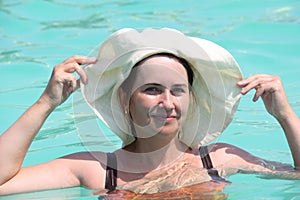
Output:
x=164 y=60
x=164 y=70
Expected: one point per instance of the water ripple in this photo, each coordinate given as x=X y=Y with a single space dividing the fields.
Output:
x=14 y=56
x=92 y=21
x=263 y=124
x=4 y=7
x=61 y=127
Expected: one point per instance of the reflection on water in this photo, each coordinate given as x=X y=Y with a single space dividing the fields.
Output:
x=92 y=21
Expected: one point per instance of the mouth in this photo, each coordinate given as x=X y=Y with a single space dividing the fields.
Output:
x=164 y=118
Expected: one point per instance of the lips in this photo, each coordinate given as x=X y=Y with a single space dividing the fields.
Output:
x=164 y=117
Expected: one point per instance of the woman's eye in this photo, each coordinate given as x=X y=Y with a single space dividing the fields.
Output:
x=178 y=91
x=153 y=90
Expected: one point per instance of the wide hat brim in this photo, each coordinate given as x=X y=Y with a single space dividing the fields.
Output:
x=216 y=74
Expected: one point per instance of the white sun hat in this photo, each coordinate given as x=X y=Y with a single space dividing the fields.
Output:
x=215 y=76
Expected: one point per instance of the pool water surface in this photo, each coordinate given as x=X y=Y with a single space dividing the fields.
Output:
x=263 y=36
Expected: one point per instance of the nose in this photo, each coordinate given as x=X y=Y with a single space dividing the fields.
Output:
x=167 y=100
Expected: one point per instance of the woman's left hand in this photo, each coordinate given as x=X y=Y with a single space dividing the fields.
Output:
x=271 y=90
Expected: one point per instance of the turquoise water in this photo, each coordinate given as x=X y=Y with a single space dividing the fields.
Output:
x=263 y=36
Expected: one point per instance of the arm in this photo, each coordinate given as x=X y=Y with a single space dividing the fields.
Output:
x=15 y=141
x=229 y=159
x=271 y=90
x=79 y=169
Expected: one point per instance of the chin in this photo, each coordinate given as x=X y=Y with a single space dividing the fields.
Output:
x=155 y=129
x=168 y=131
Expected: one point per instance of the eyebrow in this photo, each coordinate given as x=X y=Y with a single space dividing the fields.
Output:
x=180 y=85
x=175 y=85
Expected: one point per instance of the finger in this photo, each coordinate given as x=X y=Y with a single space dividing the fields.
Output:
x=258 y=93
x=82 y=75
x=81 y=60
x=251 y=85
x=62 y=69
x=264 y=89
x=69 y=67
x=249 y=79
x=68 y=81
x=74 y=67
x=254 y=82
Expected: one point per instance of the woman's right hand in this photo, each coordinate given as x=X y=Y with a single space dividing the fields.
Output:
x=16 y=140
x=63 y=82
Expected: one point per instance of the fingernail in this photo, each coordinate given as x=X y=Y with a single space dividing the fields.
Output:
x=92 y=59
x=242 y=91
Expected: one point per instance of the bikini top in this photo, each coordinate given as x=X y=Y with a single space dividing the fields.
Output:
x=112 y=173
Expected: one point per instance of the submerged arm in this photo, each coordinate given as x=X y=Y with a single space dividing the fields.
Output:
x=271 y=90
x=229 y=159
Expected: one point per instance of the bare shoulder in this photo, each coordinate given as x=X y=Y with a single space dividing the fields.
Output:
x=86 y=156
x=230 y=156
x=86 y=166
x=232 y=159
x=78 y=169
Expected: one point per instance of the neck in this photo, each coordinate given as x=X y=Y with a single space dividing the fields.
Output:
x=148 y=154
x=155 y=143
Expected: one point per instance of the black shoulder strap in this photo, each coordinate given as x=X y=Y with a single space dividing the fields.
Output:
x=207 y=164
x=111 y=172
x=206 y=161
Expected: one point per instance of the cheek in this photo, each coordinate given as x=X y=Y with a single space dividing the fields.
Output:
x=139 y=110
x=184 y=106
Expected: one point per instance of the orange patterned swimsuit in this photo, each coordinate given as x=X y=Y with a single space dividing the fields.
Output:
x=112 y=173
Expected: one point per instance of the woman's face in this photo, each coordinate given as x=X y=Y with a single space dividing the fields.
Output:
x=160 y=96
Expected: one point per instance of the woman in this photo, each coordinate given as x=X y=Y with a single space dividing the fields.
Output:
x=165 y=95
